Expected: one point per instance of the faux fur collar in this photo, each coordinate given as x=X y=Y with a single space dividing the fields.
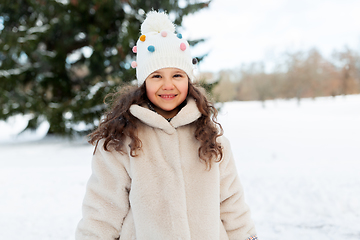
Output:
x=188 y=114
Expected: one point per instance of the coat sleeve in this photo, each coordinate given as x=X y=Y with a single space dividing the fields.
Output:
x=234 y=212
x=106 y=201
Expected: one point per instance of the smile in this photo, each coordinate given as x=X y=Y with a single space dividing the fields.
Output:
x=168 y=96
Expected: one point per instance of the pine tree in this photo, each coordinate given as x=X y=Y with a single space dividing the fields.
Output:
x=59 y=58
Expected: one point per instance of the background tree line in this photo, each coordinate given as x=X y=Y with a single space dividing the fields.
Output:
x=298 y=75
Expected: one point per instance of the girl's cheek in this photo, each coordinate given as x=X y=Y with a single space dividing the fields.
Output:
x=156 y=84
x=149 y=92
x=183 y=88
x=151 y=87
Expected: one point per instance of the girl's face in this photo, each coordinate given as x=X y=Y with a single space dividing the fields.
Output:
x=167 y=88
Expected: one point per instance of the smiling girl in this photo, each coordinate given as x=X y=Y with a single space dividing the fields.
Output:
x=166 y=89
x=161 y=168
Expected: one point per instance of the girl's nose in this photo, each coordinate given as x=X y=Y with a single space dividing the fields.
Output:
x=168 y=84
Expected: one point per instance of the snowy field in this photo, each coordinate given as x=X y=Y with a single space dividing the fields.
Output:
x=299 y=165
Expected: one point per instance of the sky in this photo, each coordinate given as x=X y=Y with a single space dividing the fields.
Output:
x=240 y=32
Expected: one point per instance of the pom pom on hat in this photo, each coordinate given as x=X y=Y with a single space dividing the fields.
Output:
x=133 y=64
x=142 y=38
x=183 y=46
x=156 y=22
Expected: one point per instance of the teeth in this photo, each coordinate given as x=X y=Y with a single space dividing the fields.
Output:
x=167 y=96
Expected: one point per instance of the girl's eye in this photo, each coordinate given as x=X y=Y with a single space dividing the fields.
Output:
x=156 y=76
x=177 y=75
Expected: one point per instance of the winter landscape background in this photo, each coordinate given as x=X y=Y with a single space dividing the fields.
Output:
x=299 y=165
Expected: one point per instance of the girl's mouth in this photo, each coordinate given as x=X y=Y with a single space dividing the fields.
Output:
x=168 y=96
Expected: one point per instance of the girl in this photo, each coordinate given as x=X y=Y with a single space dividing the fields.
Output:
x=161 y=169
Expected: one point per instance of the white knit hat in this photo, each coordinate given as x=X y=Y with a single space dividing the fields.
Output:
x=159 y=47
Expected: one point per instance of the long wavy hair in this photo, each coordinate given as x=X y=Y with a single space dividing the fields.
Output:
x=118 y=123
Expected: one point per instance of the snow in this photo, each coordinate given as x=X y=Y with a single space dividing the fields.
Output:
x=298 y=164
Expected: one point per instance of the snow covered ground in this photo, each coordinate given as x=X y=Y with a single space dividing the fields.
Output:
x=299 y=166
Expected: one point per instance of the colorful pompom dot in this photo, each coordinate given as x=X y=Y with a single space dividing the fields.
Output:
x=194 y=61
x=179 y=35
x=142 y=38
x=134 y=64
x=183 y=46
x=134 y=49
x=151 y=48
x=164 y=33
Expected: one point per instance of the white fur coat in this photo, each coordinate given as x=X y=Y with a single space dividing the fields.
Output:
x=165 y=192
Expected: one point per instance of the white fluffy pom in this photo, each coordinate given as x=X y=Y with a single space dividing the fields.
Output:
x=157 y=22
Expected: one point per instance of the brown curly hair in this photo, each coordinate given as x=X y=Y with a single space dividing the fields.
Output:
x=118 y=123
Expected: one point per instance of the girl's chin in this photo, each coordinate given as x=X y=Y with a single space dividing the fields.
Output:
x=168 y=109
x=164 y=107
